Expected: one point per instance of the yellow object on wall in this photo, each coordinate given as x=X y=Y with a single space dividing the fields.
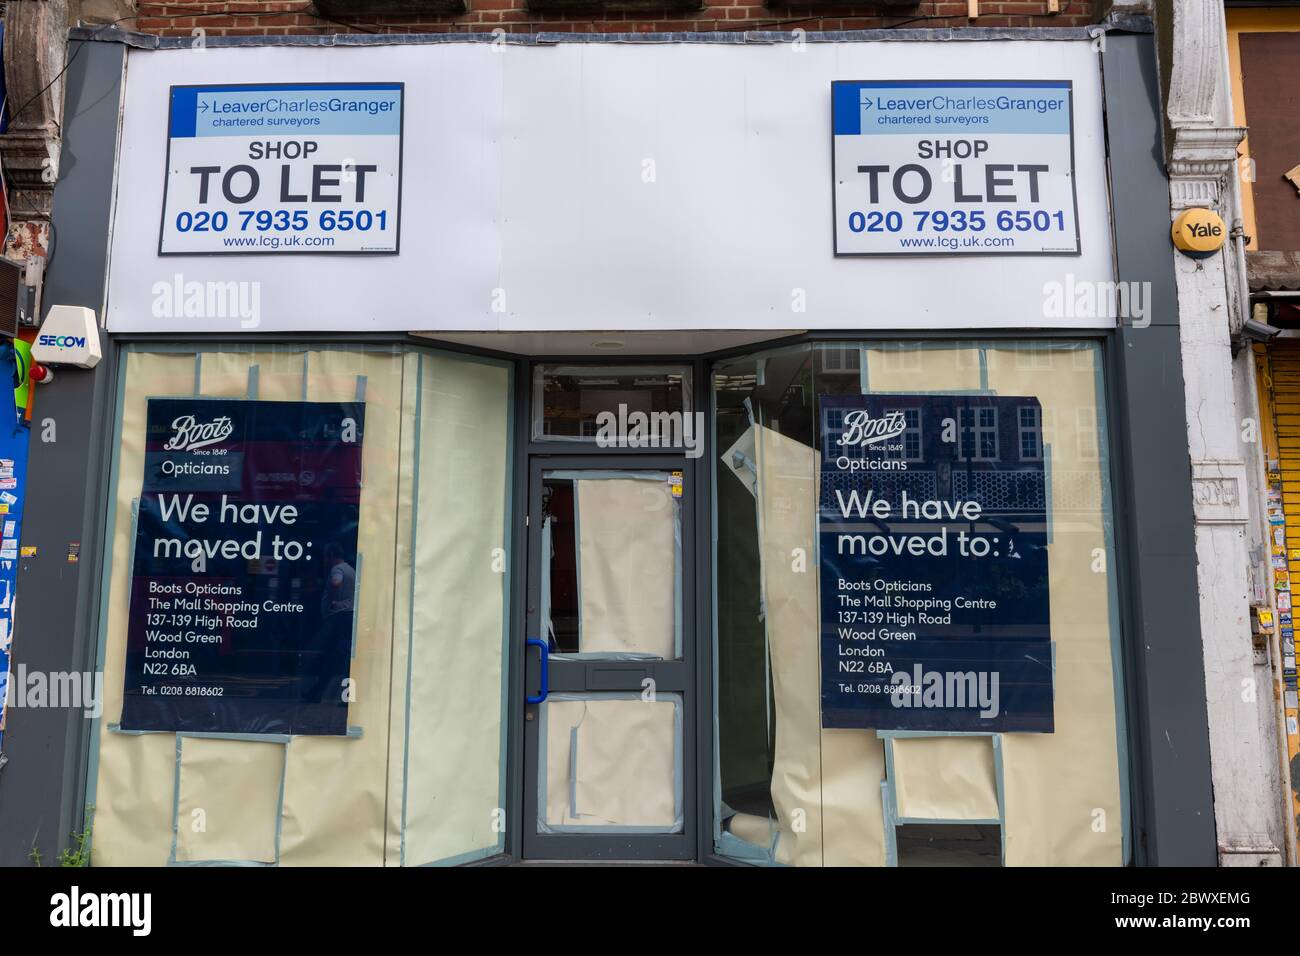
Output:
x=1198 y=232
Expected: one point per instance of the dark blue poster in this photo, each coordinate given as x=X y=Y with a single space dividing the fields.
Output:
x=244 y=573
x=932 y=528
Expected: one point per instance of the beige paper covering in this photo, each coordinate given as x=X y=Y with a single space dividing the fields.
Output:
x=627 y=566
x=335 y=788
x=945 y=778
x=135 y=792
x=225 y=375
x=1062 y=789
x=825 y=783
x=752 y=829
x=341 y=823
x=453 y=788
x=236 y=786
x=626 y=773
x=402 y=604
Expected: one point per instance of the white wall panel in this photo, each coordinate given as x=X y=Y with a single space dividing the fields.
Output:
x=525 y=171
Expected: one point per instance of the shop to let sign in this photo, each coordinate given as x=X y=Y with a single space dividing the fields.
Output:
x=283 y=168
x=245 y=567
x=932 y=528
x=971 y=167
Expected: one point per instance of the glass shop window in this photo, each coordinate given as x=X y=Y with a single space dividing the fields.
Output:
x=402 y=583
x=939 y=682
x=573 y=402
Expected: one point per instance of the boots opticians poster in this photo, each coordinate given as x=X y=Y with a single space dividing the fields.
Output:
x=245 y=568
x=942 y=168
x=933 y=537
x=283 y=168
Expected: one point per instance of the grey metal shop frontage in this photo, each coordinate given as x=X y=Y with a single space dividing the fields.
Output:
x=479 y=482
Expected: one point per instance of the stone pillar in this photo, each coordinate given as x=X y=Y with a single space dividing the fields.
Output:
x=1202 y=164
x=35 y=53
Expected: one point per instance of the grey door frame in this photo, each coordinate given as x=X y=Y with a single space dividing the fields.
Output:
x=578 y=676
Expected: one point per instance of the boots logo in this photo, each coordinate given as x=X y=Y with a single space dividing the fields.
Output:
x=188 y=434
x=861 y=429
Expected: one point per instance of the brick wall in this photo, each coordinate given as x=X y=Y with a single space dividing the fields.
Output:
x=278 y=17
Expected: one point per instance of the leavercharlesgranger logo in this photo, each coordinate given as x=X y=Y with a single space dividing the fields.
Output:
x=75 y=909
x=188 y=433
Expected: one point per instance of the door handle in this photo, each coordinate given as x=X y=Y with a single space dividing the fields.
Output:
x=546 y=668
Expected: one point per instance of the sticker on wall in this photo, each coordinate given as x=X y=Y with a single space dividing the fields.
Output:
x=283 y=168
x=212 y=645
x=954 y=167
x=22 y=375
x=934 y=566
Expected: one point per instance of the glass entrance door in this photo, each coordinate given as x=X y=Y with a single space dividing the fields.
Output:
x=609 y=706
x=608 y=720
x=609 y=712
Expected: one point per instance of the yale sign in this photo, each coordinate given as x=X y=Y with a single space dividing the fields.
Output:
x=1199 y=233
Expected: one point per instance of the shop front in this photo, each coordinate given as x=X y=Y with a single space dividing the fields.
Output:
x=489 y=477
